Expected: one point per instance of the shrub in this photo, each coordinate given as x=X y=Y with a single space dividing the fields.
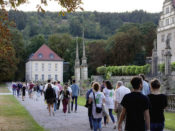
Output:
x=101 y=70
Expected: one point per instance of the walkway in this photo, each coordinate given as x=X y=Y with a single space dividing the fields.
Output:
x=74 y=122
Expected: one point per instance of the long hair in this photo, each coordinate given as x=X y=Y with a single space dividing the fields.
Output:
x=108 y=85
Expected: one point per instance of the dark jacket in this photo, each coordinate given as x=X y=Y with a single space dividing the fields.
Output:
x=50 y=94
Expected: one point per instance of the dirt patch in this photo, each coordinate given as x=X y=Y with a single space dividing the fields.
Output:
x=12 y=124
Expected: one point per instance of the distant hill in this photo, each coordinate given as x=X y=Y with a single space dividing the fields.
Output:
x=96 y=25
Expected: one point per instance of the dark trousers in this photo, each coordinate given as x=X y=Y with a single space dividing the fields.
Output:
x=65 y=102
x=157 y=126
x=91 y=122
x=74 y=98
x=58 y=104
x=111 y=115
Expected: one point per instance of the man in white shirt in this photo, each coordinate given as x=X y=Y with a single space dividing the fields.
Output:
x=120 y=92
x=69 y=102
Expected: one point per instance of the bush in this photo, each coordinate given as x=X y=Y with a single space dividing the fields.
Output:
x=101 y=70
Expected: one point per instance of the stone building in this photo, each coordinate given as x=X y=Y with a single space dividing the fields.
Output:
x=81 y=71
x=44 y=64
x=166 y=29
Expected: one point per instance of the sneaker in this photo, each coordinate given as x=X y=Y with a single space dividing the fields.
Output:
x=114 y=126
x=104 y=125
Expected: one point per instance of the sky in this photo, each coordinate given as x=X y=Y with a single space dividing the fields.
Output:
x=104 y=5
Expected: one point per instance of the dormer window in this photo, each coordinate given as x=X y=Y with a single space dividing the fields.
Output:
x=51 y=56
x=40 y=55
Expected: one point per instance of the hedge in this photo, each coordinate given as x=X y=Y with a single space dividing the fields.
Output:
x=124 y=70
x=162 y=67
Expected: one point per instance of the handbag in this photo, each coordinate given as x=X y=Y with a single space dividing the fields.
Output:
x=98 y=109
x=61 y=97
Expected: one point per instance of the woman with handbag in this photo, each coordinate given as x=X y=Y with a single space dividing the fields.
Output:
x=97 y=98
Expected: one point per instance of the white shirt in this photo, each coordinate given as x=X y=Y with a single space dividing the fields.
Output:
x=109 y=98
x=69 y=89
x=99 y=97
x=56 y=88
x=120 y=93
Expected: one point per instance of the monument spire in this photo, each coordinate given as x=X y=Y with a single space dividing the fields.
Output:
x=84 y=51
x=77 y=50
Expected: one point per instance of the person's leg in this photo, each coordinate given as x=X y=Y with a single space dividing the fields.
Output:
x=58 y=104
x=111 y=115
x=49 y=109
x=90 y=122
x=52 y=110
x=72 y=103
x=99 y=123
x=95 y=124
x=76 y=98
x=69 y=105
x=105 y=120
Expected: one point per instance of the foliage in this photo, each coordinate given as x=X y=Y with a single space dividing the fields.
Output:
x=162 y=67
x=124 y=70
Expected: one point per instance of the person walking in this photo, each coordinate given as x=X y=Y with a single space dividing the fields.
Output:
x=75 y=92
x=69 y=101
x=120 y=92
x=55 y=87
x=31 y=85
x=23 y=91
x=146 y=89
x=89 y=106
x=135 y=108
x=158 y=102
x=41 y=87
x=14 y=88
x=50 y=97
x=60 y=89
x=97 y=98
x=109 y=101
x=66 y=96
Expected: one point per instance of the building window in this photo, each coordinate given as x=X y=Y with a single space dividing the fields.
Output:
x=56 y=77
x=36 y=66
x=40 y=55
x=169 y=36
x=51 y=56
x=42 y=67
x=49 y=67
x=49 y=77
x=36 y=77
x=173 y=20
x=56 y=67
x=167 y=21
x=42 y=77
x=167 y=10
x=162 y=38
x=161 y=23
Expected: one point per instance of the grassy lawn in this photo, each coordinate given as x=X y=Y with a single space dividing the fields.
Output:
x=170 y=117
x=14 y=117
x=4 y=89
x=170 y=121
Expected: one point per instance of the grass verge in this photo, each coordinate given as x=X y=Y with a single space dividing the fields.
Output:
x=4 y=89
x=169 y=117
x=14 y=117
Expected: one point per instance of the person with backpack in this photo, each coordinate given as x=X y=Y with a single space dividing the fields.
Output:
x=97 y=98
x=66 y=95
x=23 y=91
x=158 y=102
x=50 y=97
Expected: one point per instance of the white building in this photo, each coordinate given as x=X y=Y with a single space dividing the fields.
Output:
x=44 y=64
x=166 y=28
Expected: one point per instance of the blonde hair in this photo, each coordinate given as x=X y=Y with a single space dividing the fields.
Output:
x=96 y=86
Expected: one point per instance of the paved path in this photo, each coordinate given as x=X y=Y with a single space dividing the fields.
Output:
x=74 y=122
x=5 y=94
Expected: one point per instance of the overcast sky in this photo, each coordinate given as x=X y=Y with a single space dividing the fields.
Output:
x=105 y=5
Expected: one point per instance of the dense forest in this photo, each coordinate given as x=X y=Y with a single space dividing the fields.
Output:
x=111 y=38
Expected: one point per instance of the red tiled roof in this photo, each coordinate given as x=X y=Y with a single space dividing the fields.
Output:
x=44 y=53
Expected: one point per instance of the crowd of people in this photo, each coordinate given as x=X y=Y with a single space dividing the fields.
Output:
x=140 y=108
x=54 y=93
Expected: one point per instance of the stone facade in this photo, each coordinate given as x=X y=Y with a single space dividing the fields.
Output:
x=166 y=28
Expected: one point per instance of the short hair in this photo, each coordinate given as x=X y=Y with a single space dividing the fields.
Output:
x=96 y=86
x=155 y=84
x=119 y=83
x=54 y=82
x=49 y=81
x=108 y=85
x=136 y=81
x=58 y=82
x=142 y=76
x=73 y=81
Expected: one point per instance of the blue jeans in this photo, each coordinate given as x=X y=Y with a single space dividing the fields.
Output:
x=96 y=123
x=55 y=106
x=14 y=91
x=157 y=126
x=74 y=98
x=91 y=122
x=111 y=115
